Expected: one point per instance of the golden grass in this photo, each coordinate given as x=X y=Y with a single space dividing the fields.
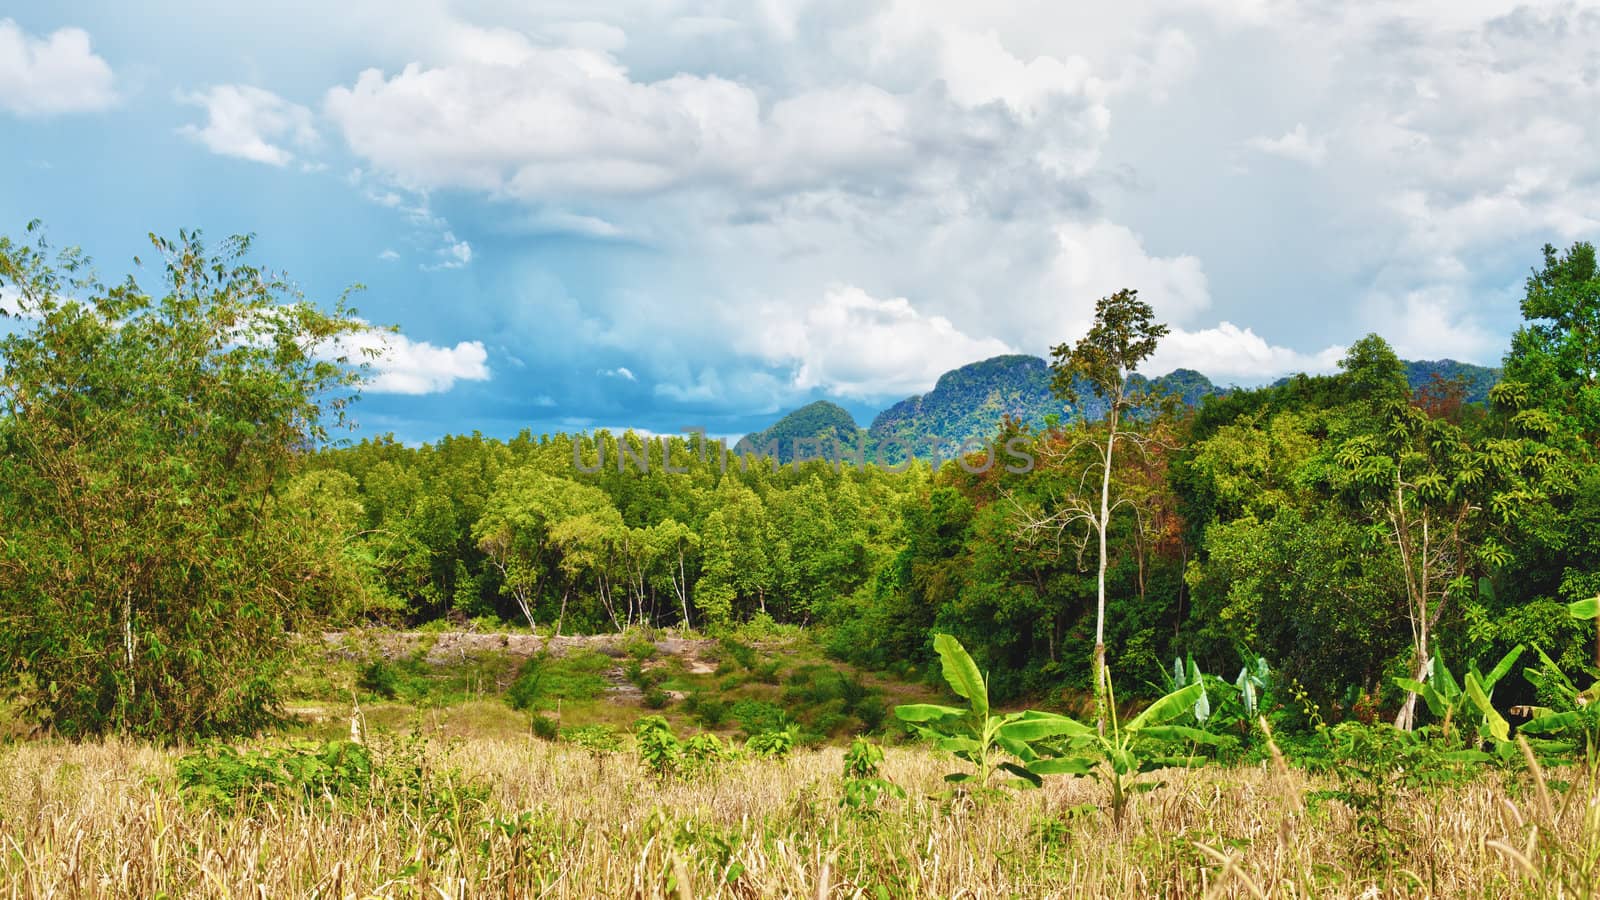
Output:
x=104 y=820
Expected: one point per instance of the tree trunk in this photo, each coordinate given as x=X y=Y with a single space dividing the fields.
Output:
x=1100 y=578
x=1407 y=717
x=682 y=587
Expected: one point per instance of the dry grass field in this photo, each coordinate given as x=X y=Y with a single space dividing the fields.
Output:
x=520 y=817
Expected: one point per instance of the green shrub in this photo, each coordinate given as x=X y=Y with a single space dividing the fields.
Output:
x=773 y=744
x=544 y=679
x=378 y=679
x=862 y=785
x=300 y=771
x=656 y=698
x=393 y=773
x=660 y=751
x=643 y=678
x=544 y=727
x=767 y=672
x=596 y=738
x=758 y=717
x=711 y=710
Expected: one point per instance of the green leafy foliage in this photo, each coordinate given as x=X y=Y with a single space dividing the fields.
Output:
x=392 y=773
x=971 y=734
x=158 y=547
x=1118 y=756
x=772 y=744
x=863 y=785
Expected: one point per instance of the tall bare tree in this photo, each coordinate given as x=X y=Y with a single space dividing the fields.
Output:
x=1104 y=361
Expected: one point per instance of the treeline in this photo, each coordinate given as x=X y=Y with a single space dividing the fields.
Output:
x=1346 y=527
x=164 y=529
x=520 y=531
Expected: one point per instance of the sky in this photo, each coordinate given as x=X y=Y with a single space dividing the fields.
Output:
x=706 y=212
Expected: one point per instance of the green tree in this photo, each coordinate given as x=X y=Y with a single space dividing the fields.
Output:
x=1124 y=335
x=715 y=592
x=149 y=573
x=531 y=525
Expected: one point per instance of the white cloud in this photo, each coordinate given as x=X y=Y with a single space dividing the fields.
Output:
x=1097 y=259
x=405 y=366
x=854 y=345
x=388 y=255
x=51 y=75
x=453 y=254
x=622 y=372
x=564 y=119
x=705 y=388
x=544 y=124
x=1228 y=351
x=250 y=123
x=1296 y=144
x=1432 y=322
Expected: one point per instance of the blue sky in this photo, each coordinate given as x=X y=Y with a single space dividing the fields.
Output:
x=704 y=213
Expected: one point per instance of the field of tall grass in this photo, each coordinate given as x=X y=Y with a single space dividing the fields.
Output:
x=523 y=817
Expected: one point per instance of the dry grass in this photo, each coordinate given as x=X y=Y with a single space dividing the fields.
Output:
x=104 y=820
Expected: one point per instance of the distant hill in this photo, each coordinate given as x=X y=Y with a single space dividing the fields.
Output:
x=969 y=402
x=822 y=422
x=1478 y=379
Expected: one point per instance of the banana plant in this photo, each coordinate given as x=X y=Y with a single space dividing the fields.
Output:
x=1182 y=677
x=1251 y=684
x=1573 y=725
x=1058 y=745
x=974 y=734
x=1450 y=700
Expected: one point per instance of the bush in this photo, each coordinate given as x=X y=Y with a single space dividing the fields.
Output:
x=159 y=425
x=643 y=678
x=391 y=773
x=544 y=679
x=773 y=744
x=767 y=672
x=300 y=771
x=544 y=727
x=596 y=738
x=656 y=698
x=711 y=710
x=759 y=717
x=641 y=649
x=379 y=679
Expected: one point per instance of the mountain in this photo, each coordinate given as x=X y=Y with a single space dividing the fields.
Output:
x=822 y=423
x=969 y=402
x=1478 y=379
